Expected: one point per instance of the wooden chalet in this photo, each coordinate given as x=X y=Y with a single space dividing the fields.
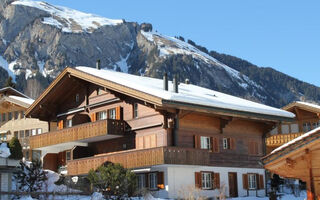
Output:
x=174 y=136
x=13 y=122
x=299 y=159
x=307 y=118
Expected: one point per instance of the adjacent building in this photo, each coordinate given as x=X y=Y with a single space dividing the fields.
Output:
x=299 y=159
x=307 y=118
x=174 y=136
x=13 y=122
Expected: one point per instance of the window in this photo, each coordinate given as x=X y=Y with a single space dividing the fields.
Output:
x=226 y=143
x=112 y=113
x=306 y=126
x=77 y=98
x=153 y=181
x=3 y=117
x=205 y=142
x=206 y=178
x=16 y=115
x=0 y=117
x=68 y=155
x=102 y=115
x=252 y=180
x=21 y=133
x=39 y=130
x=9 y=116
x=135 y=110
x=21 y=114
x=141 y=181
x=69 y=123
x=27 y=133
x=16 y=134
x=34 y=131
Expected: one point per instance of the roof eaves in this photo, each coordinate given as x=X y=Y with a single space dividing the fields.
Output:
x=227 y=111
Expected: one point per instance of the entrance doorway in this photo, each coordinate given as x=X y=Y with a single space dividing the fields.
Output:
x=233 y=184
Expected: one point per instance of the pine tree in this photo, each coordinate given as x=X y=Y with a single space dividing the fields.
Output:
x=10 y=83
x=30 y=178
x=15 y=149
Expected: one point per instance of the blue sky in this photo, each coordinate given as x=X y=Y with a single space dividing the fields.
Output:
x=282 y=34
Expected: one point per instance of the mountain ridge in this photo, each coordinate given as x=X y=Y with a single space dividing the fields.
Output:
x=35 y=51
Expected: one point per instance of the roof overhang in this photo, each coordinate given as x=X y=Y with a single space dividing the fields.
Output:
x=12 y=91
x=301 y=106
x=14 y=101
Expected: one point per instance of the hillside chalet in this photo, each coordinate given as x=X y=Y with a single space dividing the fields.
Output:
x=173 y=135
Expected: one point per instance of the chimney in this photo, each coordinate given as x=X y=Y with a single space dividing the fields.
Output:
x=98 y=64
x=175 y=84
x=165 y=81
x=187 y=81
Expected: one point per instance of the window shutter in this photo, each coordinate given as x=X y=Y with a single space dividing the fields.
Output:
x=118 y=113
x=245 y=181
x=217 y=180
x=197 y=141
x=261 y=182
x=93 y=117
x=197 y=179
x=160 y=179
x=215 y=145
x=257 y=181
x=232 y=144
x=60 y=126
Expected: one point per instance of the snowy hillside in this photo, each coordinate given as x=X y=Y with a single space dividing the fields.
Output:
x=69 y=20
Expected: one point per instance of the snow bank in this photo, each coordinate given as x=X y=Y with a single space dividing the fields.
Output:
x=67 y=19
x=4 y=150
x=188 y=93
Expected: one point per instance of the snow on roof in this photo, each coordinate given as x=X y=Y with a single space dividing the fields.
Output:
x=68 y=19
x=22 y=99
x=309 y=104
x=301 y=137
x=14 y=90
x=188 y=93
x=4 y=150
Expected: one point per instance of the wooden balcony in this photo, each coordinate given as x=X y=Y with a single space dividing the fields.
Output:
x=78 y=133
x=141 y=158
x=280 y=139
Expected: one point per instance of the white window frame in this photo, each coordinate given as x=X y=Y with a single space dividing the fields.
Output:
x=205 y=142
x=252 y=181
x=153 y=181
x=226 y=144
x=33 y=132
x=69 y=123
x=206 y=180
x=102 y=115
x=112 y=113
x=135 y=110
x=141 y=181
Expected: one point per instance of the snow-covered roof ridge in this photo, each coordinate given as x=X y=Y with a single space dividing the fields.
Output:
x=22 y=99
x=68 y=19
x=309 y=104
x=301 y=137
x=188 y=93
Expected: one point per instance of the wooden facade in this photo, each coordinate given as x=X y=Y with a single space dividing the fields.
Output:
x=307 y=118
x=93 y=121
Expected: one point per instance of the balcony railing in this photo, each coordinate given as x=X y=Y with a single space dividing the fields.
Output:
x=141 y=158
x=280 y=139
x=78 y=132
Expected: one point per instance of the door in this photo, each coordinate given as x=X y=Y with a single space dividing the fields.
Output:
x=233 y=184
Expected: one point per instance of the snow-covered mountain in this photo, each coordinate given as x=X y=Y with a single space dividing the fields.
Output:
x=38 y=40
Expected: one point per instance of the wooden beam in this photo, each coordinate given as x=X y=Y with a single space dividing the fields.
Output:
x=224 y=122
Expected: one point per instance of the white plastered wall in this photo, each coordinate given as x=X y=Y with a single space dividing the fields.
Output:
x=180 y=180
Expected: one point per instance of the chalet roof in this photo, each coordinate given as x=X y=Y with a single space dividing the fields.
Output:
x=11 y=91
x=304 y=105
x=150 y=90
x=293 y=145
x=18 y=100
